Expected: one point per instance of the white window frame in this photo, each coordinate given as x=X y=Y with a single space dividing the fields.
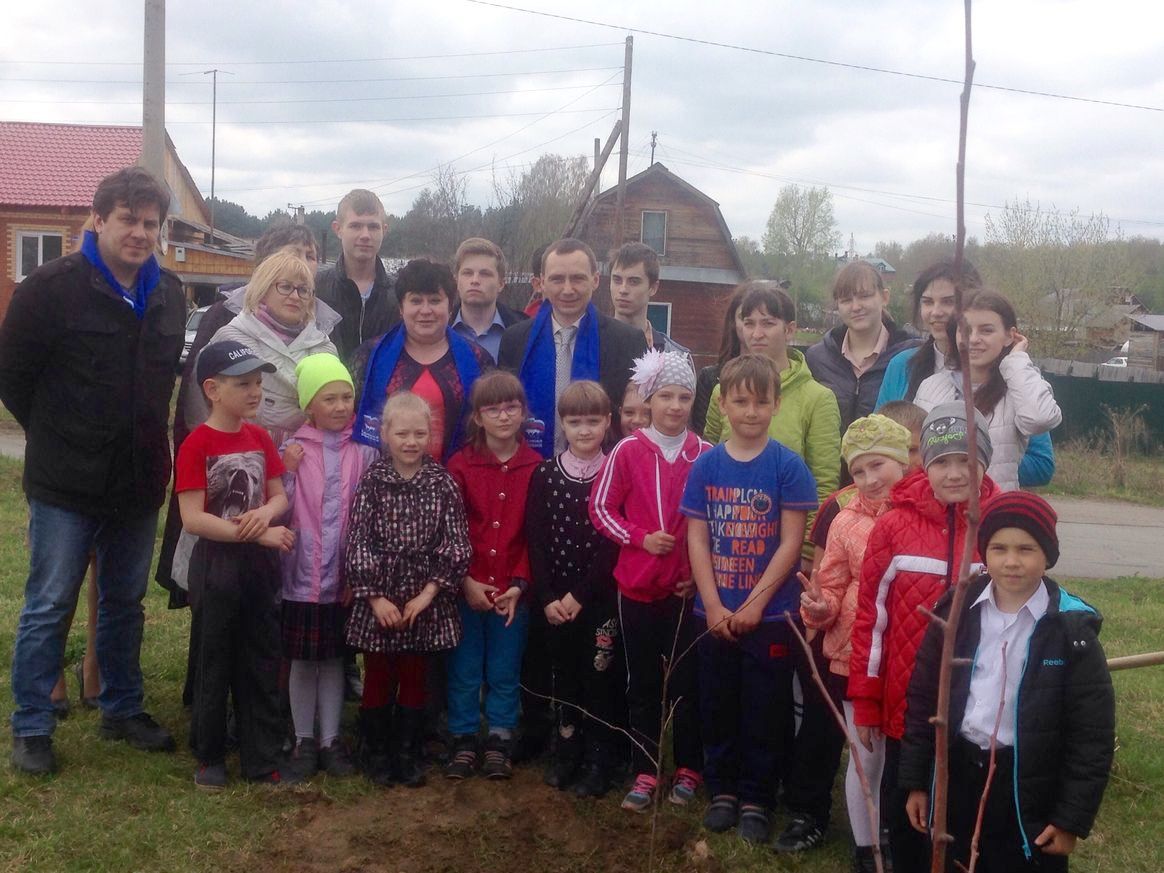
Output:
x=20 y=235
x=664 y=303
x=642 y=226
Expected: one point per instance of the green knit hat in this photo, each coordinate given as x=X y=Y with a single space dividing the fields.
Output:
x=315 y=371
x=876 y=435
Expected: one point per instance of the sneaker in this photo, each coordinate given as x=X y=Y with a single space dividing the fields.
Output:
x=754 y=826
x=683 y=789
x=304 y=762
x=803 y=833
x=334 y=761
x=464 y=760
x=642 y=793
x=140 y=731
x=722 y=813
x=34 y=755
x=210 y=777
x=497 y=764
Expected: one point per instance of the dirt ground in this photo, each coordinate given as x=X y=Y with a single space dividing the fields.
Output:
x=474 y=826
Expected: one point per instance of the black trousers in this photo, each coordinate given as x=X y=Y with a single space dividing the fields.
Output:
x=816 y=754
x=911 y=849
x=1000 y=844
x=648 y=636
x=746 y=707
x=234 y=592
x=537 y=675
x=587 y=668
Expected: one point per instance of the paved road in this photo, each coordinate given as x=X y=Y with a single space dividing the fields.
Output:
x=1098 y=539
x=1101 y=539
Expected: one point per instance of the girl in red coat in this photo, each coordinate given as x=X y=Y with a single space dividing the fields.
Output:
x=493 y=474
x=910 y=561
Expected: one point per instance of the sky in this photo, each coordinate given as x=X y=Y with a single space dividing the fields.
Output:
x=331 y=95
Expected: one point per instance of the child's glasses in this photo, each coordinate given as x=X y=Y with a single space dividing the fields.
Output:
x=286 y=288
x=509 y=410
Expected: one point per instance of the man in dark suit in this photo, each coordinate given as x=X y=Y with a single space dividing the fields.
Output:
x=567 y=340
x=479 y=268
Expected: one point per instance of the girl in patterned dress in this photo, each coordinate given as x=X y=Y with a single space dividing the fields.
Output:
x=407 y=552
x=572 y=566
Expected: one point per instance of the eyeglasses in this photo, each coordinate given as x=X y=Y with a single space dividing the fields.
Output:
x=286 y=289
x=507 y=409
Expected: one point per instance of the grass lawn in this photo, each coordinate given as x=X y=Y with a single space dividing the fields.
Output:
x=115 y=809
x=1087 y=472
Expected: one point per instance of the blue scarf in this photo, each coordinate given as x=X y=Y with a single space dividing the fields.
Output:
x=539 y=368
x=147 y=277
x=382 y=364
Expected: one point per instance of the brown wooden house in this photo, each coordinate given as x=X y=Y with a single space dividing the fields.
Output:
x=48 y=173
x=699 y=264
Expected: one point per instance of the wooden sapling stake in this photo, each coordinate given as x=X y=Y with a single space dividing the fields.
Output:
x=989 y=775
x=870 y=804
x=940 y=834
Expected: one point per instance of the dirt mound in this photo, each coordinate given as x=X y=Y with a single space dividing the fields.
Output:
x=450 y=827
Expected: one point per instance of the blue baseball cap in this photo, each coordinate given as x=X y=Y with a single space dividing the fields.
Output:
x=229 y=358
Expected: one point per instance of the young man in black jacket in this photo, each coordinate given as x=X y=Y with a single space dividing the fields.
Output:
x=358 y=287
x=88 y=355
x=1038 y=689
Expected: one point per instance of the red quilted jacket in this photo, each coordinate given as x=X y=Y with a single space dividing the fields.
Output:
x=913 y=551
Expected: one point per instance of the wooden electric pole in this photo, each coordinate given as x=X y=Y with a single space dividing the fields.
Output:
x=624 y=148
x=153 y=116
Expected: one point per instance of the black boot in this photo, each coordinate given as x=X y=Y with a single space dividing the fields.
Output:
x=375 y=732
x=563 y=764
x=595 y=778
x=407 y=766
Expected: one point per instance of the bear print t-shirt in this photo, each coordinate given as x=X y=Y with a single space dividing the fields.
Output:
x=741 y=503
x=233 y=468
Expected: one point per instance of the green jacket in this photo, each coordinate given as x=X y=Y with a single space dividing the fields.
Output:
x=808 y=422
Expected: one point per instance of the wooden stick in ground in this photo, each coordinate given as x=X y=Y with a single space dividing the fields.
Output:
x=1127 y=662
x=870 y=804
x=940 y=833
x=977 y=835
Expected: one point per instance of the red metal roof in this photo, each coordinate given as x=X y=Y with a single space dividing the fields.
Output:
x=61 y=164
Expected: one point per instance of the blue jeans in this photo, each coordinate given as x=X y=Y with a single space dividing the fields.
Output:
x=61 y=542
x=489 y=652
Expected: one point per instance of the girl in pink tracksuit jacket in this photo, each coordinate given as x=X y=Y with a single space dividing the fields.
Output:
x=324 y=467
x=635 y=502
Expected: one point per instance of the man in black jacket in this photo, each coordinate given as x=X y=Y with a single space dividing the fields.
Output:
x=479 y=268
x=88 y=353
x=358 y=287
x=563 y=349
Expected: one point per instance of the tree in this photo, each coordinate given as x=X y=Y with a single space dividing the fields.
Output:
x=801 y=224
x=531 y=209
x=234 y=219
x=1057 y=268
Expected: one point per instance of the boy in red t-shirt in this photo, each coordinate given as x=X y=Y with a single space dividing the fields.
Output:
x=229 y=493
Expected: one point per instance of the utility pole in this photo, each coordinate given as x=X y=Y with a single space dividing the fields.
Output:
x=654 y=136
x=213 y=136
x=624 y=148
x=298 y=212
x=153 y=116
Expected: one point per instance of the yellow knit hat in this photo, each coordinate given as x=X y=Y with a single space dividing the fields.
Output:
x=315 y=371
x=876 y=435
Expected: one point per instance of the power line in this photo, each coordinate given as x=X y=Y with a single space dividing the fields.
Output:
x=398 y=120
x=326 y=81
x=313 y=100
x=321 y=60
x=810 y=60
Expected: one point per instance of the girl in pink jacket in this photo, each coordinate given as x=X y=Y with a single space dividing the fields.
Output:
x=324 y=467
x=635 y=502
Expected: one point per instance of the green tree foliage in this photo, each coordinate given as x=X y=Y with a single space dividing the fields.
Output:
x=234 y=219
x=801 y=224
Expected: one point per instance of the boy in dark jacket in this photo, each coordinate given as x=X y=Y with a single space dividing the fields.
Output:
x=1038 y=688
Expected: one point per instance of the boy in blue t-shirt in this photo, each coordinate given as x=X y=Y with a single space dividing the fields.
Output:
x=746 y=501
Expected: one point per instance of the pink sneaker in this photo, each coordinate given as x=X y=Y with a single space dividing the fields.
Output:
x=642 y=793
x=684 y=786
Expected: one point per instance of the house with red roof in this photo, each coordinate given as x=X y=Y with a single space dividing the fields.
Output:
x=48 y=173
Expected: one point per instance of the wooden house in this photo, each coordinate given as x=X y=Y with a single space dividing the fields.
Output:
x=48 y=173
x=699 y=264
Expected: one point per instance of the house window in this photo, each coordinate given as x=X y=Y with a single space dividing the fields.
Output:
x=654 y=232
x=34 y=249
x=659 y=315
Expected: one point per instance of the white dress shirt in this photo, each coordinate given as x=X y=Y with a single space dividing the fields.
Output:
x=986 y=682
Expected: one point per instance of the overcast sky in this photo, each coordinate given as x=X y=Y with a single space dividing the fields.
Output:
x=736 y=124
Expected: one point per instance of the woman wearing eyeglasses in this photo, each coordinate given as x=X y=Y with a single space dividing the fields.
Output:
x=421 y=354
x=282 y=321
